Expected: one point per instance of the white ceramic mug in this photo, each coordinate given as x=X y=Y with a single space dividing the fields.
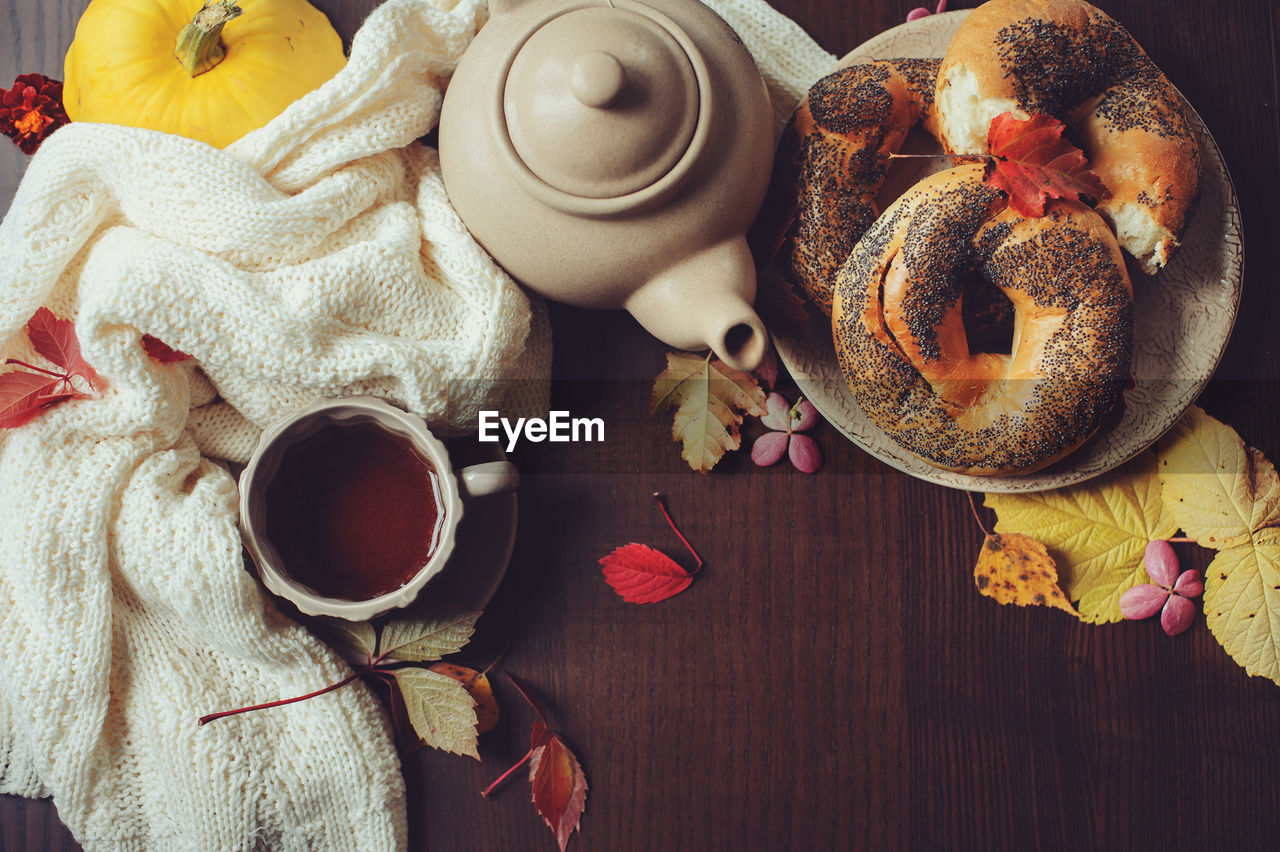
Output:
x=470 y=482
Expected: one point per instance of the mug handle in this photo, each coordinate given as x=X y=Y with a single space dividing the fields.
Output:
x=481 y=480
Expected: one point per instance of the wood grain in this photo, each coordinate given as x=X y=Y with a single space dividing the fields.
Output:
x=832 y=680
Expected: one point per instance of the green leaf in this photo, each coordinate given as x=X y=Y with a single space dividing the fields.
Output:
x=354 y=641
x=1242 y=603
x=1217 y=489
x=440 y=709
x=1096 y=532
x=425 y=640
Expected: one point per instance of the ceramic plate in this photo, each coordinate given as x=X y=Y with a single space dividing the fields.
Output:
x=1184 y=317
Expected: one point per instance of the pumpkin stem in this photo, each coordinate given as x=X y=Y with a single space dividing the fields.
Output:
x=199 y=45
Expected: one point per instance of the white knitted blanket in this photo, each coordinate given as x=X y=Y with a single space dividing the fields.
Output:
x=317 y=256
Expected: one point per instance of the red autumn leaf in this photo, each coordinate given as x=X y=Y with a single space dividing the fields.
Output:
x=559 y=786
x=642 y=575
x=27 y=391
x=24 y=395
x=1033 y=163
x=160 y=352
x=55 y=339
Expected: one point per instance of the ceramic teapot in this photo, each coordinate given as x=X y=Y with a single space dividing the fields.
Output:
x=613 y=153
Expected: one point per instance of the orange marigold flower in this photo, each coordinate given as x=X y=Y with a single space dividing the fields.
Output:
x=31 y=110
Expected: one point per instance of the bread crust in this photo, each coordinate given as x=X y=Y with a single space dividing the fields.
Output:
x=902 y=347
x=834 y=156
x=1068 y=59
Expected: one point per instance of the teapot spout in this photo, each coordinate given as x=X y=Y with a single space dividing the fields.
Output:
x=704 y=302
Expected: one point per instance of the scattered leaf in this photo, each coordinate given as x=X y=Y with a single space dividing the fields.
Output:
x=1033 y=163
x=160 y=352
x=642 y=575
x=1097 y=532
x=1218 y=490
x=355 y=641
x=1017 y=569
x=25 y=395
x=1242 y=603
x=710 y=399
x=29 y=390
x=428 y=706
x=422 y=641
x=407 y=739
x=559 y=786
x=440 y=709
x=477 y=684
x=557 y=782
x=55 y=340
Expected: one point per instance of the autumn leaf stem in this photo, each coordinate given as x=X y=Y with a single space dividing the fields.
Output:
x=66 y=377
x=973 y=507
x=662 y=504
x=204 y=720
x=489 y=667
x=1181 y=540
x=504 y=776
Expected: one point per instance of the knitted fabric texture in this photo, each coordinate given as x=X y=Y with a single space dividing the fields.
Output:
x=317 y=256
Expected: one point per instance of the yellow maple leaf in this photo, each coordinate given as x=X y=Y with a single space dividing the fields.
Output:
x=1218 y=490
x=1096 y=531
x=710 y=399
x=1017 y=569
x=1242 y=602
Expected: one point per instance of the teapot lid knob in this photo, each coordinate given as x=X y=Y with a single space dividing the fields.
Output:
x=600 y=102
x=597 y=79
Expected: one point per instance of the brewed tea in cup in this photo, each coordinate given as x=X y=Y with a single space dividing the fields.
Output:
x=350 y=506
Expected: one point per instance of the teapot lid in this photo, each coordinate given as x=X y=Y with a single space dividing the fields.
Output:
x=600 y=102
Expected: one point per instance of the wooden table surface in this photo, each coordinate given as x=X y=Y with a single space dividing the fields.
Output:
x=833 y=679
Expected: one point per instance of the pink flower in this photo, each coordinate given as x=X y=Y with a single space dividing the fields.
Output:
x=921 y=12
x=1170 y=594
x=788 y=422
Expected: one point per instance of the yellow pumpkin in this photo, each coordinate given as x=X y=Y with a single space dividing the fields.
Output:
x=211 y=71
